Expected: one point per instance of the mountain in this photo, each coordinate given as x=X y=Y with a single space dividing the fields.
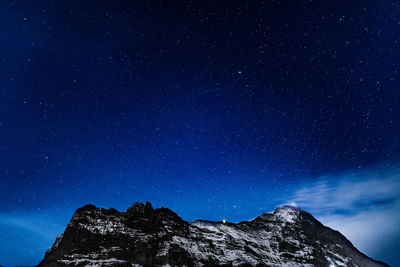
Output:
x=143 y=236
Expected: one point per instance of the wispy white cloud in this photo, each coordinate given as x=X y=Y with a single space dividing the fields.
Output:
x=40 y=225
x=364 y=205
x=29 y=234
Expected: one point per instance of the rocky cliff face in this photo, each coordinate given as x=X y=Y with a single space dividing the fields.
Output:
x=143 y=236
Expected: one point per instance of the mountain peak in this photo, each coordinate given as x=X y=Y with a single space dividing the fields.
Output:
x=87 y=207
x=139 y=207
x=288 y=213
x=142 y=236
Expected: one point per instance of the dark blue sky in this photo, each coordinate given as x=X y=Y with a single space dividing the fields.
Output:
x=211 y=108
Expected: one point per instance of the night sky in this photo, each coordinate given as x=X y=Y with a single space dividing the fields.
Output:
x=214 y=109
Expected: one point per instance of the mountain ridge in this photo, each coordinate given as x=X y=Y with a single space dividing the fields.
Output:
x=143 y=236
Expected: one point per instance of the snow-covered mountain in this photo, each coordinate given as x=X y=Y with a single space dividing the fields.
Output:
x=143 y=236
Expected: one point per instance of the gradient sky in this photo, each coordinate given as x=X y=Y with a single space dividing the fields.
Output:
x=215 y=109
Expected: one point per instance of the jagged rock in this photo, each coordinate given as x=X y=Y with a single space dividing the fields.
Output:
x=142 y=236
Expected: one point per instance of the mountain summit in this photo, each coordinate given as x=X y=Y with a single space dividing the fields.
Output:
x=143 y=236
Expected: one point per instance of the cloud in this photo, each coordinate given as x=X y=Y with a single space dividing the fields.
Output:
x=364 y=205
x=27 y=234
x=31 y=223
